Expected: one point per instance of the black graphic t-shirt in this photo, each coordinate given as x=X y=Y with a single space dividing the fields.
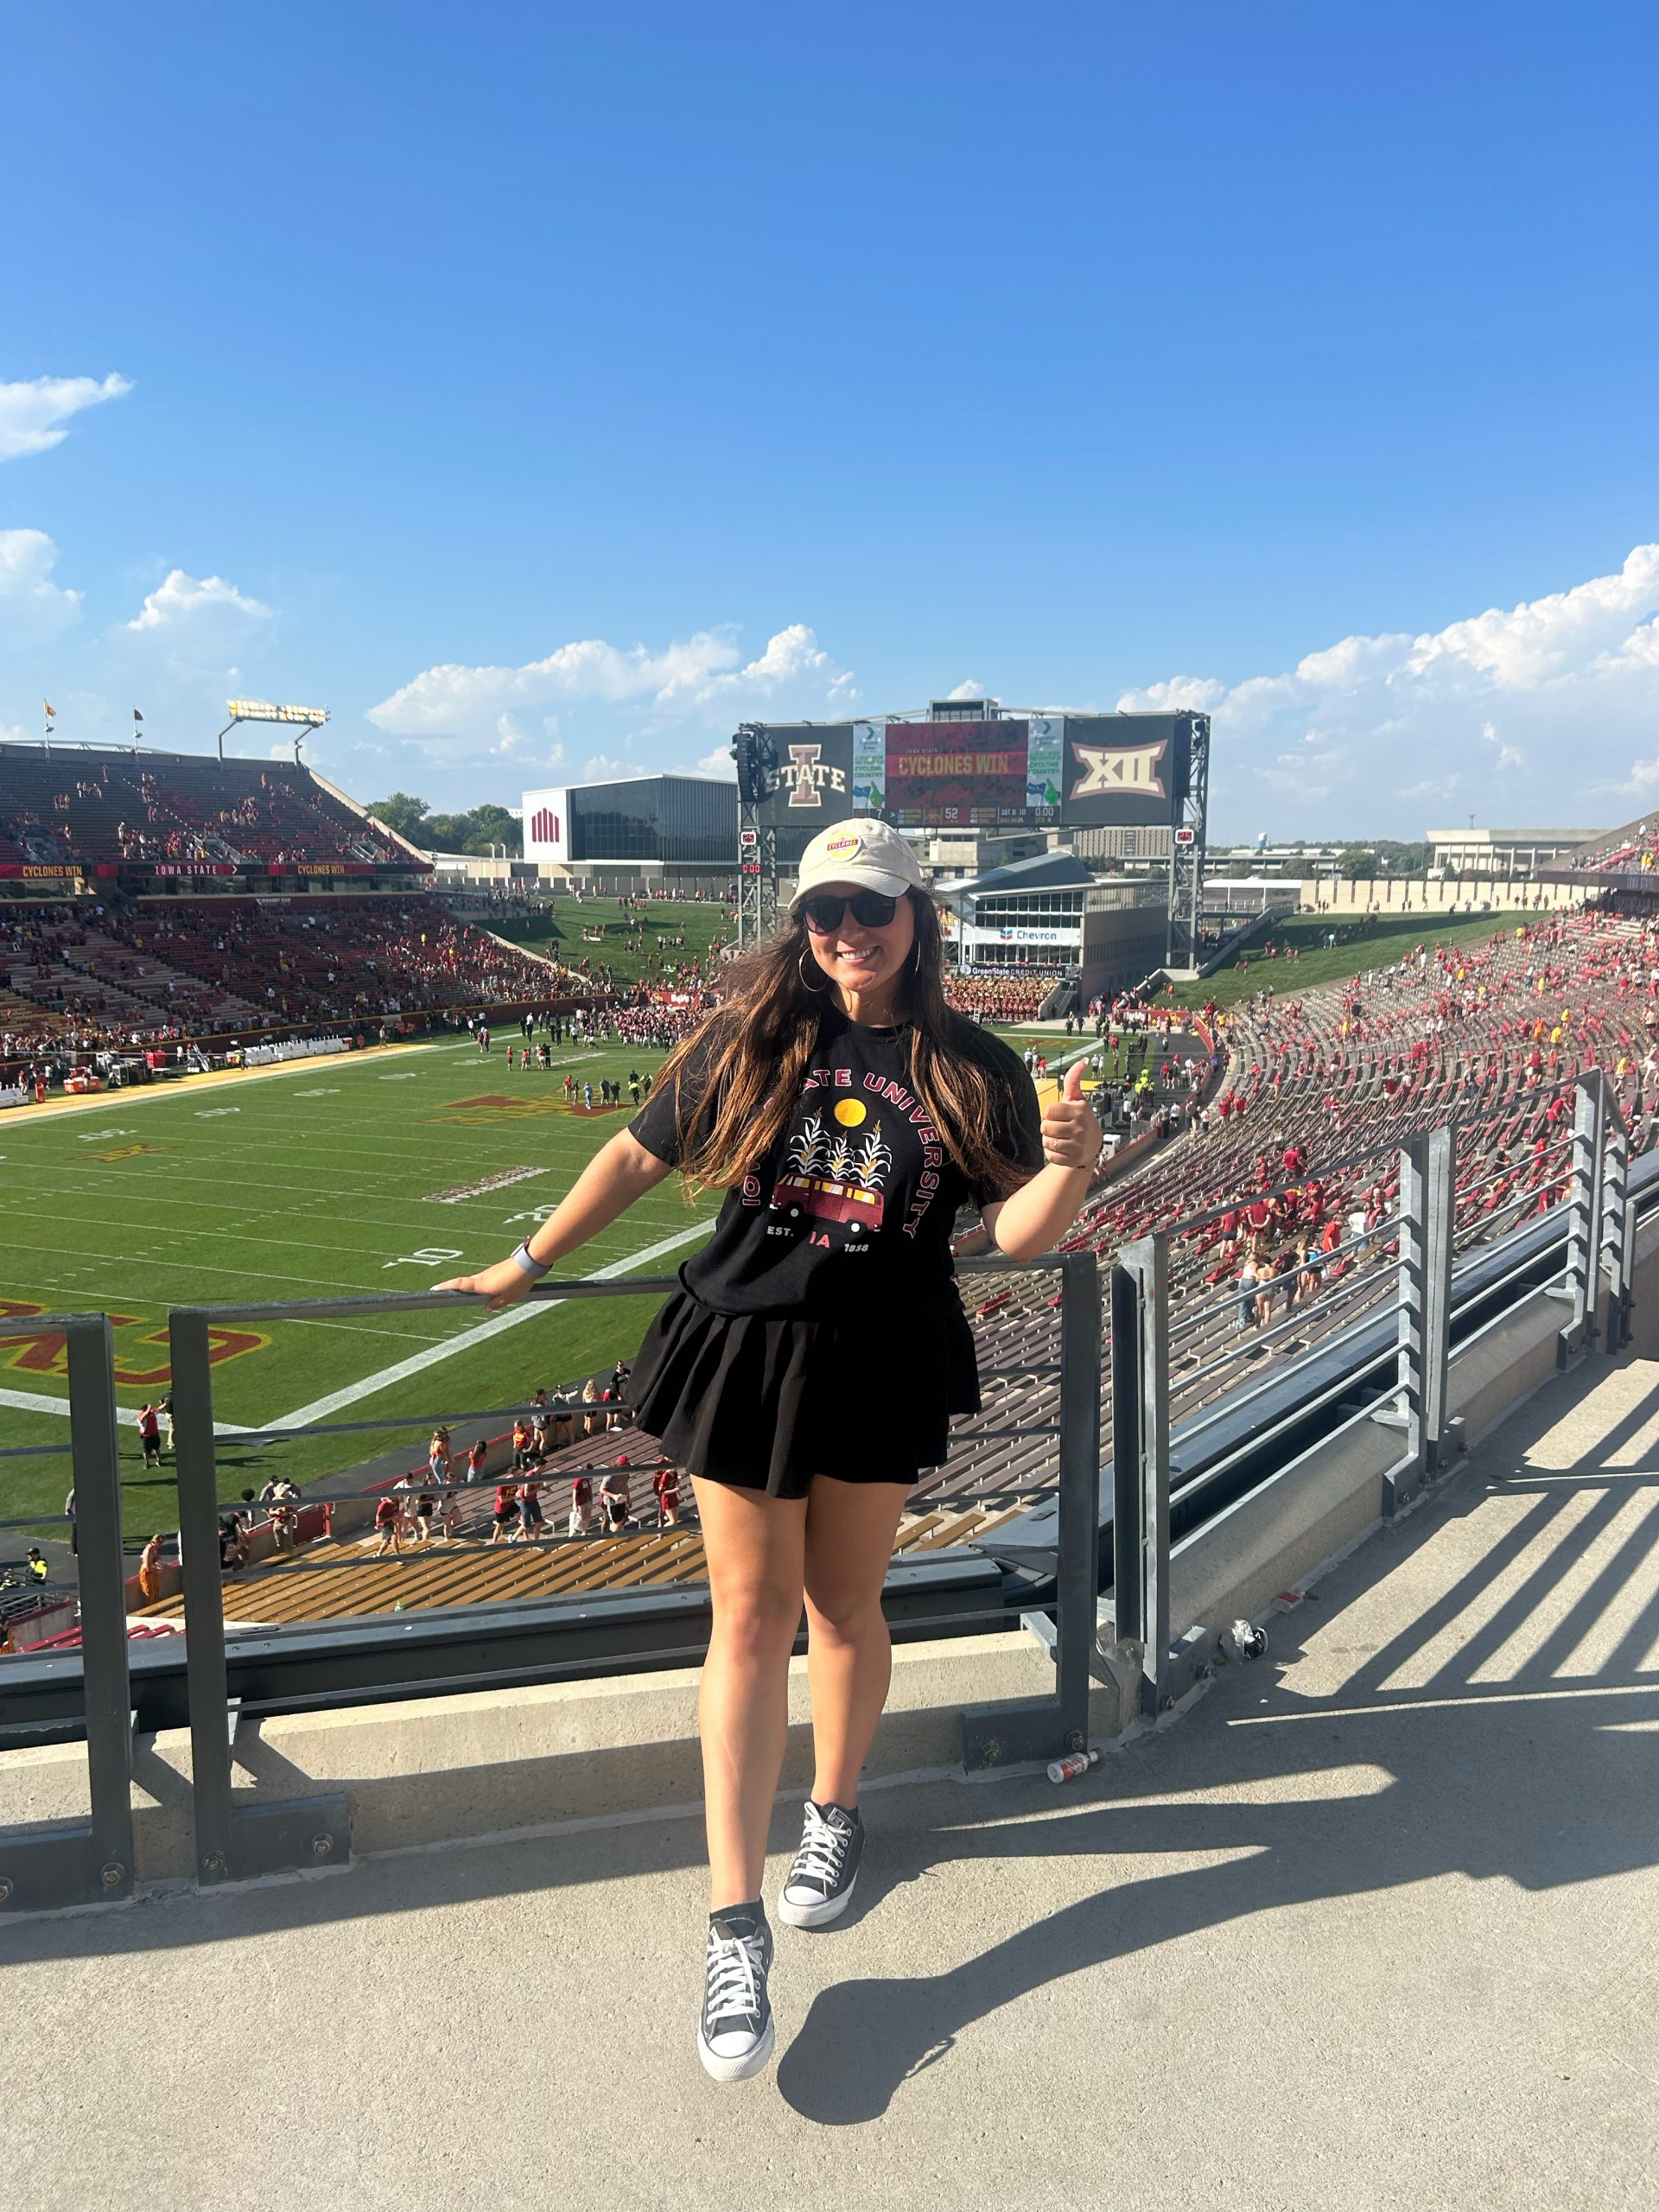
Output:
x=852 y=1208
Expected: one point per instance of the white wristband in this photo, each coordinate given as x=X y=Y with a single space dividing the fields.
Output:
x=534 y=1269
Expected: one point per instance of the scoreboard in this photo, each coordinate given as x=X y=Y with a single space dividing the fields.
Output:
x=986 y=771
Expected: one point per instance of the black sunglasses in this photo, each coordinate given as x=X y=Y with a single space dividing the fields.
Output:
x=871 y=908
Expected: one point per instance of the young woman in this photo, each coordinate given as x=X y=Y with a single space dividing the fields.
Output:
x=809 y=1366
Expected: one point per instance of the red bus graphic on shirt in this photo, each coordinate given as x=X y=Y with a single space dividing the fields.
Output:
x=836 y=1168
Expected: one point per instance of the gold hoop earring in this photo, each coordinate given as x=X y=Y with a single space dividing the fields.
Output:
x=817 y=989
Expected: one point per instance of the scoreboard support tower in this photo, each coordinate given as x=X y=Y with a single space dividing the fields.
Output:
x=1186 y=851
x=756 y=751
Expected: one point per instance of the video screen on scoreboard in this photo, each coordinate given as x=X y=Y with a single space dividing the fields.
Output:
x=946 y=775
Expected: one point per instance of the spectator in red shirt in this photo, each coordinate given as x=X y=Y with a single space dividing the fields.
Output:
x=506 y=1515
x=388 y=1520
x=666 y=1484
x=581 y=1505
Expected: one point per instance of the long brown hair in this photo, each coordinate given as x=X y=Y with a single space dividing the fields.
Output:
x=759 y=1044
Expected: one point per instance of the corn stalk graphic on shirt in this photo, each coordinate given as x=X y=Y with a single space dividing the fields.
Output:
x=835 y=1172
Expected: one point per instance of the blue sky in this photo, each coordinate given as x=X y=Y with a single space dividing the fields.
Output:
x=542 y=388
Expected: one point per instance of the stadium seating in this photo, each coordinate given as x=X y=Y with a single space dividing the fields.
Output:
x=327 y=959
x=1631 y=853
x=89 y=978
x=1488 y=1036
x=113 y=808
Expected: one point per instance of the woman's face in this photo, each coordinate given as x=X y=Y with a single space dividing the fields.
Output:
x=862 y=963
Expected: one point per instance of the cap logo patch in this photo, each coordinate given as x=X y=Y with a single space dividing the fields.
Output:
x=842 y=845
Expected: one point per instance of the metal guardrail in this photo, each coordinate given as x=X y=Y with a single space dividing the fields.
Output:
x=92 y=1860
x=236 y=1841
x=1132 y=1631
x=1599 y=1226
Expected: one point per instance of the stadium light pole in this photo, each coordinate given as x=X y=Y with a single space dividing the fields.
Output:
x=261 y=711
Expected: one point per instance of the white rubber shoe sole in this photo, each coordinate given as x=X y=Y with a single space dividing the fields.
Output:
x=737 y=2070
x=815 y=1916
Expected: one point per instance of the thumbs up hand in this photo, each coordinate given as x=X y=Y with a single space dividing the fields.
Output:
x=1071 y=1132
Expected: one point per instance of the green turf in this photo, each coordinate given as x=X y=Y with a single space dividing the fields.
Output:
x=1389 y=938
x=312 y=1183
x=555 y=932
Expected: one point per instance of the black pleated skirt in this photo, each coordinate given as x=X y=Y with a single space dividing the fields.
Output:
x=766 y=1402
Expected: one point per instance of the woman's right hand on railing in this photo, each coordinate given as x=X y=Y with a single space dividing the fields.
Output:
x=504 y=1284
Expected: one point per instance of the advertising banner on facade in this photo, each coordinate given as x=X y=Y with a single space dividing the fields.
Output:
x=1044 y=761
x=870 y=768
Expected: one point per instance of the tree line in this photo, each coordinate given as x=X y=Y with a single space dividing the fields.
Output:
x=474 y=831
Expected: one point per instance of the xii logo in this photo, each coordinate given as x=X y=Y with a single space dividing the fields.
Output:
x=1131 y=768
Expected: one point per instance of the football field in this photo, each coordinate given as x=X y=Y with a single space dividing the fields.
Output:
x=372 y=1172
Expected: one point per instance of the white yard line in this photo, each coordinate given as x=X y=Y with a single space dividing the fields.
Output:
x=321 y=1408
x=30 y=1401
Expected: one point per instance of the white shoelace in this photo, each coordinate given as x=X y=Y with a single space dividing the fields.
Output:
x=735 y=1963
x=823 y=1845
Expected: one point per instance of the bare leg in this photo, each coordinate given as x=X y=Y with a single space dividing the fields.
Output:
x=755 y=1545
x=849 y=1531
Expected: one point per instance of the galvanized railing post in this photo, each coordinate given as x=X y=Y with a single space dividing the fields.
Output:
x=1005 y=1734
x=1439 y=1218
x=1579 y=1289
x=1405 y=1477
x=95 y=1446
x=191 y=1383
x=92 y=1861
x=1146 y=1264
x=1078 y=1576
x=232 y=1843
x=1128 y=1624
x=1155 y=1474
x=1617 y=1233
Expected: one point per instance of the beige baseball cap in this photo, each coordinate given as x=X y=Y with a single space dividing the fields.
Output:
x=863 y=851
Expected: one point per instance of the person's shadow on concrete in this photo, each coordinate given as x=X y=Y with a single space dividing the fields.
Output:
x=1542 y=1779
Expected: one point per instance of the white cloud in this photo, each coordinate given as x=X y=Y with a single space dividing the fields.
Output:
x=32 y=607
x=718 y=763
x=184 y=598
x=1538 y=710
x=697 y=675
x=31 y=413
x=970 y=688
x=599 y=768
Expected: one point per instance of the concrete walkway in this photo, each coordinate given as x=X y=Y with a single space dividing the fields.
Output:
x=1373 y=1926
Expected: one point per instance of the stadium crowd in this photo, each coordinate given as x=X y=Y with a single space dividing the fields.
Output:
x=167 y=809
x=1631 y=851
x=1015 y=996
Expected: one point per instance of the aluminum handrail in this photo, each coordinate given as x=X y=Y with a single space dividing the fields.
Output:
x=233 y=1842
